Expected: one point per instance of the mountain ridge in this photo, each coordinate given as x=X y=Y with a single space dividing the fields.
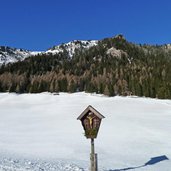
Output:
x=12 y=55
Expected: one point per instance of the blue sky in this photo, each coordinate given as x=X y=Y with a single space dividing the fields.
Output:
x=40 y=24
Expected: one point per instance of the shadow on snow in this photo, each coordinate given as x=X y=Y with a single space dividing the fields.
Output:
x=152 y=161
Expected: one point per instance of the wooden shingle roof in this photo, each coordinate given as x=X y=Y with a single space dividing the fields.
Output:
x=90 y=108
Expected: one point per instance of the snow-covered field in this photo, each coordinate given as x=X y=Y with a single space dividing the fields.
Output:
x=40 y=132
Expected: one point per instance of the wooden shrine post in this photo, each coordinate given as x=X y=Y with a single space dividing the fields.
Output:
x=91 y=120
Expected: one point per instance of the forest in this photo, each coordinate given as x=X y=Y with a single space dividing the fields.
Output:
x=113 y=67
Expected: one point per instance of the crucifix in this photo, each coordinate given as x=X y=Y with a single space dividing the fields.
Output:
x=90 y=118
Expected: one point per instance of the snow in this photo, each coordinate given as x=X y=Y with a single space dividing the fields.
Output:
x=11 y=55
x=72 y=46
x=40 y=132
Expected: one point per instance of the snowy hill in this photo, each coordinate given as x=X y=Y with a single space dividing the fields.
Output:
x=43 y=134
x=11 y=55
x=71 y=47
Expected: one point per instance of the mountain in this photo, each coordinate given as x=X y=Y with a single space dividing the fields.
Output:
x=111 y=66
x=11 y=55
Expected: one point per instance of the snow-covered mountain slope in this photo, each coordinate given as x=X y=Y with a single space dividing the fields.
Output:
x=71 y=47
x=44 y=133
x=11 y=55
